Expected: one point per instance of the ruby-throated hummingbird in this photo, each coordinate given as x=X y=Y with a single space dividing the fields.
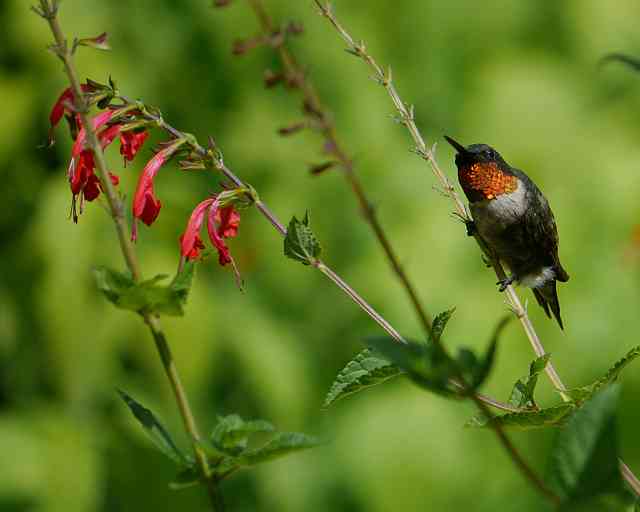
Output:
x=514 y=219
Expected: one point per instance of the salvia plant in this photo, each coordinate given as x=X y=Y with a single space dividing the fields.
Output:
x=585 y=466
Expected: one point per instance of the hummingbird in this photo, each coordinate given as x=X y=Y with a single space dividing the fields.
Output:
x=513 y=217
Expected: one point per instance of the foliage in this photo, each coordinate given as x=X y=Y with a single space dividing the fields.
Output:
x=228 y=447
x=584 y=460
x=146 y=296
x=301 y=244
x=363 y=371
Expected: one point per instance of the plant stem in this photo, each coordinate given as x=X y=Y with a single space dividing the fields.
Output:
x=515 y=455
x=334 y=148
x=49 y=11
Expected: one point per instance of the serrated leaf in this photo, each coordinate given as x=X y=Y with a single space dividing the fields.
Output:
x=439 y=323
x=300 y=243
x=527 y=420
x=146 y=296
x=112 y=284
x=231 y=434
x=188 y=477
x=522 y=394
x=584 y=461
x=154 y=429
x=283 y=444
x=585 y=392
x=426 y=364
x=365 y=370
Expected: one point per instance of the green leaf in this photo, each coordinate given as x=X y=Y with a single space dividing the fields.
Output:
x=112 y=284
x=584 y=461
x=154 y=429
x=426 y=364
x=282 y=444
x=585 y=392
x=438 y=325
x=147 y=296
x=527 y=420
x=362 y=372
x=522 y=395
x=300 y=243
x=231 y=434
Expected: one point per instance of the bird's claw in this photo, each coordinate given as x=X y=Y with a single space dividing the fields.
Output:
x=471 y=227
x=504 y=283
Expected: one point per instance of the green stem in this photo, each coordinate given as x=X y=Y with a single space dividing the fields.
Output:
x=49 y=12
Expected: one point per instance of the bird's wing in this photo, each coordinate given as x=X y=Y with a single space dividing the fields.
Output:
x=542 y=230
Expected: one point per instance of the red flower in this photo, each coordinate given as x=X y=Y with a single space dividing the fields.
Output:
x=62 y=105
x=81 y=168
x=229 y=220
x=130 y=143
x=221 y=223
x=108 y=135
x=146 y=206
x=190 y=240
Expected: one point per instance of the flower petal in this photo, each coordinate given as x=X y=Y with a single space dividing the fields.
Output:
x=145 y=204
x=229 y=221
x=190 y=237
x=130 y=143
x=224 y=256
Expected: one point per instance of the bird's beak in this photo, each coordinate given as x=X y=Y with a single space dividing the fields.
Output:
x=458 y=147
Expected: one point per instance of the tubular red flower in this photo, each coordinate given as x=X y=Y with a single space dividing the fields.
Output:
x=190 y=237
x=146 y=206
x=108 y=135
x=81 y=172
x=221 y=223
x=62 y=103
x=130 y=143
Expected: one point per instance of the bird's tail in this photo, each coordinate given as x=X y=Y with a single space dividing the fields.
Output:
x=547 y=297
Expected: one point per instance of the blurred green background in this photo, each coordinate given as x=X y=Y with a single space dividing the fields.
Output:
x=522 y=76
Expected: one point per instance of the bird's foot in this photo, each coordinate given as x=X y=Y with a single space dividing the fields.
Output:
x=471 y=227
x=503 y=283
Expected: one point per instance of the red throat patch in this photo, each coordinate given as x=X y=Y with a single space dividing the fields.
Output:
x=485 y=181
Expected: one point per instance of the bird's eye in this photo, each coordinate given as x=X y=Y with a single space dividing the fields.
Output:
x=490 y=153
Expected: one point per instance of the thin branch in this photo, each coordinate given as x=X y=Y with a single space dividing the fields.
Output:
x=407 y=116
x=334 y=148
x=49 y=12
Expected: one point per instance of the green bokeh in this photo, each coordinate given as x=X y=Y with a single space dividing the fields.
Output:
x=520 y=75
